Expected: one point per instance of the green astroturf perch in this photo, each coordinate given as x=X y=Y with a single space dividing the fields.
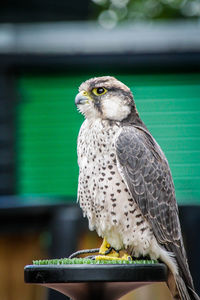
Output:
x=68 y=261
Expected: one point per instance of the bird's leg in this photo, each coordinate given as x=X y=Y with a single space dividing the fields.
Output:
x=109 y=253
x=105 y=248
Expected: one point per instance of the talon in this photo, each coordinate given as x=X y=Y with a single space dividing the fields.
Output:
x=130 y=258
x=126 y=257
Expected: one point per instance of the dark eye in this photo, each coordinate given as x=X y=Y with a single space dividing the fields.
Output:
x=99 y=91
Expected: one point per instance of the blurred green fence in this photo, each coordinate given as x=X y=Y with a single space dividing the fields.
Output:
x=48 y=125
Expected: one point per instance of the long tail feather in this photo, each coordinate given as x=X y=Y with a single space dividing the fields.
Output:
x=183 y=292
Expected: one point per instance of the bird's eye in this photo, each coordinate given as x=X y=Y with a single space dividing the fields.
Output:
x=99 y=91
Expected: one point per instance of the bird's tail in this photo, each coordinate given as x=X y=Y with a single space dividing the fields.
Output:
x=180 y=280
x=179 y=289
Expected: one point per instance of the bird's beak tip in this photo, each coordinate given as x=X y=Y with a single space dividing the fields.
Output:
x=80 y=99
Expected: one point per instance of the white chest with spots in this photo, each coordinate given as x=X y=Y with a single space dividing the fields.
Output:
x=102 y=193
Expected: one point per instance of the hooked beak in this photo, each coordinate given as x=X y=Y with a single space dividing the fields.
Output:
x=81 y=99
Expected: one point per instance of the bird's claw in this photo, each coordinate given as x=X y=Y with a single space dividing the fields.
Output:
x=126 y=257
x=109 y=253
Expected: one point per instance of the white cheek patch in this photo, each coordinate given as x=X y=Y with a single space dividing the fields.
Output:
x=114 y=109
x=89 y=111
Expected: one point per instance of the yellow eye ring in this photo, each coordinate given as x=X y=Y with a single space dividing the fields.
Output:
x=99 y=91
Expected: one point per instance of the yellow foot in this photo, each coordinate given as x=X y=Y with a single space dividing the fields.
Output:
x=104 y=247
x=108 y=257
x=108 y=253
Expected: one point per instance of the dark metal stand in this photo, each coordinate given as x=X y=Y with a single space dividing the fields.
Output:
x=99 y=282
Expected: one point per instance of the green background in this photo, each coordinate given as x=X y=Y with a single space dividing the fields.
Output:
x=48 y=125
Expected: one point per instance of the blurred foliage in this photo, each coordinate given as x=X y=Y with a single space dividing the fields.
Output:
x=110 y=12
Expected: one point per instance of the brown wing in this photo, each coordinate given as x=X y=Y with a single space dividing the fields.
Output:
x=146 y=172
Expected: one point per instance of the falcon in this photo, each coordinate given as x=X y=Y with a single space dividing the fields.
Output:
x=125 y=185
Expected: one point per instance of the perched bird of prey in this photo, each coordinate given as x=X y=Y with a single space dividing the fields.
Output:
x=125 y=185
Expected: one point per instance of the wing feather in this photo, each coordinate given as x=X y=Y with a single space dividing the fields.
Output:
x=149 y=179
x=146 y=172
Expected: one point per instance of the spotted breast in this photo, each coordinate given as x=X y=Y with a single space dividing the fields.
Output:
x=102 y=193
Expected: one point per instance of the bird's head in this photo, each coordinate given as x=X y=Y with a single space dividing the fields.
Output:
x=106 y=98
